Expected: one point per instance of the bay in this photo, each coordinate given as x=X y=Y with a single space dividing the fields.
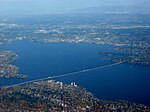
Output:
x=120 y=82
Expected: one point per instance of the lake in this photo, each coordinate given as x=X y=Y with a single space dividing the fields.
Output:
x=120 y=82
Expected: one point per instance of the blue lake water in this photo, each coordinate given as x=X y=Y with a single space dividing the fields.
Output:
x=120 y=82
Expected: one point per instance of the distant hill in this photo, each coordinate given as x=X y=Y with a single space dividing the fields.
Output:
x=142 y=9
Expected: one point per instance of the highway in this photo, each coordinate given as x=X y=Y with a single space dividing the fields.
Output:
x=68 y=74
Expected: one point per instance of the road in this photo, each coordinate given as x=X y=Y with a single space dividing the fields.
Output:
x=68 y=74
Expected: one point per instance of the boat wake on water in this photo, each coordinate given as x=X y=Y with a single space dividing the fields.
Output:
x=68 y=74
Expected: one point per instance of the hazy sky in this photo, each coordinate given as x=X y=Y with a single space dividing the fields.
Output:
x=56 y=6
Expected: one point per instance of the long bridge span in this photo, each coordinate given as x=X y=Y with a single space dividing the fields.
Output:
x=68 y=74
